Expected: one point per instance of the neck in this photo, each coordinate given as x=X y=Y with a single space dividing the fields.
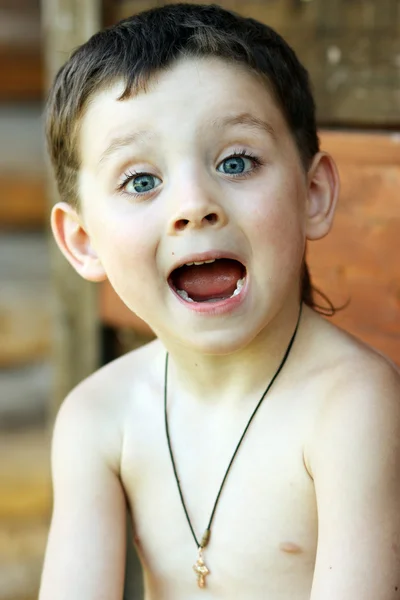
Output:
x=231 y=377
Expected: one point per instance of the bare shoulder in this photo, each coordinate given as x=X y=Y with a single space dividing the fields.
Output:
x=121 y=373
x=344 y=360
x=111 y=385
x=360 y=392
x=98 y=405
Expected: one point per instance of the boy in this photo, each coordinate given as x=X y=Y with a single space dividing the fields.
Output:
x=256 y=446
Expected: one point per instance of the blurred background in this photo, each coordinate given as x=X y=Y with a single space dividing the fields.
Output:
x=55 y=329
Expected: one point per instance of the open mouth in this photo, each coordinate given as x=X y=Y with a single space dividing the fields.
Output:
x=210 y=281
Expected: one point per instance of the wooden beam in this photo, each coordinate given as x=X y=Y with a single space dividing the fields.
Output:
x=67 y=24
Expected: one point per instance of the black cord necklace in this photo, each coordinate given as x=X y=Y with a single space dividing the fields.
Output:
x=200 y=567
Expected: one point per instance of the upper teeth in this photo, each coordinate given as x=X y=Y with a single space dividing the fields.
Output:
x=204 y=262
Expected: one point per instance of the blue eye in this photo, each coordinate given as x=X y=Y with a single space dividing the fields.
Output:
x=236 y=165
x=141 y=183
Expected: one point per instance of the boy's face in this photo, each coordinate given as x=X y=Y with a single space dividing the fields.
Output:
x=201 y=166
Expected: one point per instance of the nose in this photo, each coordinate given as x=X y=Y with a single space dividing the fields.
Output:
x=195 y=207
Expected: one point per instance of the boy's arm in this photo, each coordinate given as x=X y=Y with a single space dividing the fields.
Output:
x=355 y=463
x=85 y=555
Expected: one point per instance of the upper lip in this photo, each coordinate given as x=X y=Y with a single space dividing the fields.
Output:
x=203 y=256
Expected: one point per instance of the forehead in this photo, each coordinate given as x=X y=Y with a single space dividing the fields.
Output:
x=188 y=99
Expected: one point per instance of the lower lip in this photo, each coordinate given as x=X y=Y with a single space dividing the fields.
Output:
x=221 y=307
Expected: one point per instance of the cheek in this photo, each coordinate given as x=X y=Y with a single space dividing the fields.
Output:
x=277 y=224
x=126 y=244
x=277 y=217
x=127 y=251
x=121 y=231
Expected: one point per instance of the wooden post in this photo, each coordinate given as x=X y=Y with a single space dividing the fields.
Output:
x=67 y=24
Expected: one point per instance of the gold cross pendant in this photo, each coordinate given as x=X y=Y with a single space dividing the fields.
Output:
x=201 y=570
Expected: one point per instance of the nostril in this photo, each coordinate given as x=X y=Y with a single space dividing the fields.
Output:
x=212 y=218
x=181 y=224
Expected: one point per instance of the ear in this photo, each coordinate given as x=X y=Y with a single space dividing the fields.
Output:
x=74 y=242
x=323 y=192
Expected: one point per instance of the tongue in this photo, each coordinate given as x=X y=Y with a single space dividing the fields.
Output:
x=209 y=281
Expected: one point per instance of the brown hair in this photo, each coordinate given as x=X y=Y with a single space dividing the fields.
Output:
x=140 y=46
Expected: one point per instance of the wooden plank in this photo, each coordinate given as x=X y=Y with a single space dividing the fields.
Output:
x=21 y=64
x=25 y=299
x=21 y=75
x=23 y=201
x=25 y=392
x=25 y=327
x=25 y=485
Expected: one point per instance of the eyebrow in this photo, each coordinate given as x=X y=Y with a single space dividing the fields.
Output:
x=246 y=119
x=122 y=141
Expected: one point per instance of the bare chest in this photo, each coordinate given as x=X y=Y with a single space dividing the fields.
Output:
x=264 y=530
